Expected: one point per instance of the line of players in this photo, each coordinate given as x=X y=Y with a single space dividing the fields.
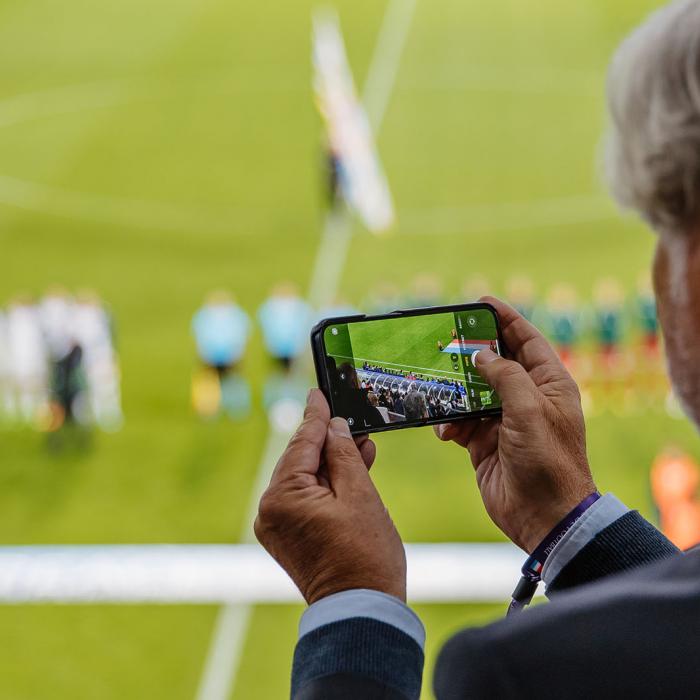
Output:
x=58 y=364
x=222 y=330
x=611 y=344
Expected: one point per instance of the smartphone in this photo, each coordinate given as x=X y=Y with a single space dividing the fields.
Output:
x=407 y=368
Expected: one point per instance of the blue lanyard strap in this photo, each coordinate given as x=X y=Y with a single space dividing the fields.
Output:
x=532 y=568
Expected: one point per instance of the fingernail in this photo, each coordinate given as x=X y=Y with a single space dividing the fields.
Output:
x=485 y=356
x=340 y=428
x=309 y=395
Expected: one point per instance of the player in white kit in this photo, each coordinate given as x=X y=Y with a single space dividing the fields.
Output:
x=93 y=333
x=27 y=360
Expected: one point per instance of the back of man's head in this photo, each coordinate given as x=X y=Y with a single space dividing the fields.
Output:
x=653 y=156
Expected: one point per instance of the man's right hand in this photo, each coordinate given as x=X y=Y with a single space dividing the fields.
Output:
x=531 y=464
x=321 y=517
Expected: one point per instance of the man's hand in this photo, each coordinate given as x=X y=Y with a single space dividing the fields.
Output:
x=531 y=464
x=321 y=517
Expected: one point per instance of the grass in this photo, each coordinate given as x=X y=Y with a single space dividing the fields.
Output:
x=184 y=157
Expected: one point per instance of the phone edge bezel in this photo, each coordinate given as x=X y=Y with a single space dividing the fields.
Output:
x=321 y=374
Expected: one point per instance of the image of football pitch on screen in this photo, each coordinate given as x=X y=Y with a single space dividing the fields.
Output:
x=411 y=369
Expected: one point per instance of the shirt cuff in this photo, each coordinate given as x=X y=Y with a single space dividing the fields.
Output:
x=362 y=602
x=605 y=511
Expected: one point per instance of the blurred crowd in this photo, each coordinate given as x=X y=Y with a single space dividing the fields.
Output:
x=437 y=398
x=58 y=363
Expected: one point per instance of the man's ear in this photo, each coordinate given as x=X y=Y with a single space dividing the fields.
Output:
x=676 y=268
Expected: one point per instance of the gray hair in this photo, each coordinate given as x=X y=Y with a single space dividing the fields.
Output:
x=653 y=149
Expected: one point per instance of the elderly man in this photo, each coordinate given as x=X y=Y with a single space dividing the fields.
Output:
x=624 y=617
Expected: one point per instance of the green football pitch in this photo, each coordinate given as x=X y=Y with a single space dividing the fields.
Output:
x=405 y=344
x=153 y=150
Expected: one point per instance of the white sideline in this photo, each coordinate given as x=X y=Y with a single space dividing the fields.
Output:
x=237 y=576
x=227 y=644
x=233 y=619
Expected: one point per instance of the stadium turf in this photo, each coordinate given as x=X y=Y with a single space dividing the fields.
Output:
x=407 y=344
x=154 y=150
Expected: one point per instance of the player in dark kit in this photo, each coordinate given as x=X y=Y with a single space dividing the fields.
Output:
x=608 y=319
x=647 y=318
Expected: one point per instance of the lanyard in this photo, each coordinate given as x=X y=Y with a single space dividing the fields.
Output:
x=532 y=568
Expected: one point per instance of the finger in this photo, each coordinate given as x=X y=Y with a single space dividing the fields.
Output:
x=342 y=457
x=509 y=379
x=303 y=453
x=528 y=345
x=368 y=452
x=459 y=431
x=360 y=439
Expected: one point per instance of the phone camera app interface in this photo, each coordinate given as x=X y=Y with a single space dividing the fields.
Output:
x=411 y=369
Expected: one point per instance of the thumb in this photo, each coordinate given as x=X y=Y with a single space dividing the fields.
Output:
x=510 y=380
x=342 y=457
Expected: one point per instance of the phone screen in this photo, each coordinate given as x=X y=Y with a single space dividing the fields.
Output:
x=410 y=370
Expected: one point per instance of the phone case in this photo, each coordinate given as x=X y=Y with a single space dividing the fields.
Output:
x=319 y=355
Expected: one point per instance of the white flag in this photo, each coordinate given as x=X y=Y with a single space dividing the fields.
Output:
x=362 y=181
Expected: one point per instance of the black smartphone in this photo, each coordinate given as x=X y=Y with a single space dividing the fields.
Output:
x=407 y=368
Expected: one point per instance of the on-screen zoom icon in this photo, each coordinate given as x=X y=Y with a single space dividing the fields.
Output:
x=471 y=321
x=334 y=331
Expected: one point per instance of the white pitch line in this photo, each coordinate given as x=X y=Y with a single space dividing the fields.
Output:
x=226 y=648
x=232 y=622
x=225 y=651
x=243 y=574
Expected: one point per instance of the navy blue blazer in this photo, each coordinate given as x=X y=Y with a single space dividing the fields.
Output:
x=623 y=622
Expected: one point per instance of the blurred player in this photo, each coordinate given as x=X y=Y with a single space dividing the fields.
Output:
x=27 y=360
x=333 y=174
x=340 y=307
x=57 y=316
x=563 y=321
x=426 y=290
x=385 y=297
x=520 y=294
x=674 y=485
x=645 y=304
x=651 y=381
x=608 y=319
x=7 y=405
x=286 y=320
x=221 y=330
x=474 y=288
x=94 y=334
x=611 y=366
